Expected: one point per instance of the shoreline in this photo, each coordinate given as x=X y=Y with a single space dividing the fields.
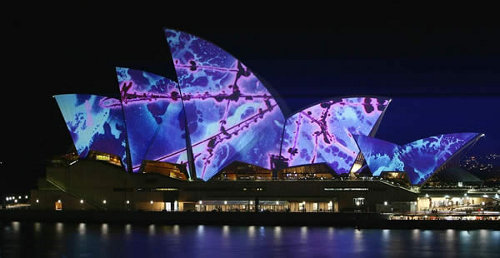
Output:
x=353 y=220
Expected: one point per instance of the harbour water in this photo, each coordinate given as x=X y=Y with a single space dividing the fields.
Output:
x=35 y=239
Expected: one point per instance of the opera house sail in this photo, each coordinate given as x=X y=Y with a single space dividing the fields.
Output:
x=94 y=124
x=216 y=112
x=419 y=159
x=323 y=132
x=231 y=116
x=154 y=117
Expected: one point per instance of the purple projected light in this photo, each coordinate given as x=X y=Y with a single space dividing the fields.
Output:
x=154 y=116
x=92 y=125
x=230 y=113
x=419 y=159
x=323 y=132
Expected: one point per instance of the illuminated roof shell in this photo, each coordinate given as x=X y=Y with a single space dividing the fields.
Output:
x=420 y=158
x=230 y=114
x=323 y=132
x=154 y=117
x=93 y=125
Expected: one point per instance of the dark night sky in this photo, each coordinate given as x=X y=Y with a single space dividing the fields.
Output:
x=442 y=71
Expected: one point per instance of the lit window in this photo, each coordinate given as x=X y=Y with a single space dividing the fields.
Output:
x=360 y=201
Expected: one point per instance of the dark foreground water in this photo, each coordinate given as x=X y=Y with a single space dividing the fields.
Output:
x=23 y=239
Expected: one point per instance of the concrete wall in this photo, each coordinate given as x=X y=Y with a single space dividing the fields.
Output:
x=95 y=181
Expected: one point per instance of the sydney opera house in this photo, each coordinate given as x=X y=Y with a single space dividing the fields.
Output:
x=216 y=139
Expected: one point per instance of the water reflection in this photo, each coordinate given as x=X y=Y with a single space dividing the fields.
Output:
x=415 y=236
x=358 y=240
x=37 y=227
x=24 y=239
x=176 y=230
x=104 y=229
x=15 y=226
x=200 y=230
x=59 y=229
x=251 y=232
x=303 y=233
x=262 y=231
x=225 y=231
x=128 y=229
x=385 y=234
x=152 y=230
x=81 y=228
x=277 y=234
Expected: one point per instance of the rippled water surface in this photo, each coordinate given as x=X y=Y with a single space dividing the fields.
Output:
x=23 y=239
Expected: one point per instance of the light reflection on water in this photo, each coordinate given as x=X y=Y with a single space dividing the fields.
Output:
x=152 y=230
x=128 y=229
x=23 y=239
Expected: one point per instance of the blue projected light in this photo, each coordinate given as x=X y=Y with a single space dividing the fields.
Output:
x=230 y=113
x=154 y=117
x=93 y=125
x=323 y=132
x=419 y=159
